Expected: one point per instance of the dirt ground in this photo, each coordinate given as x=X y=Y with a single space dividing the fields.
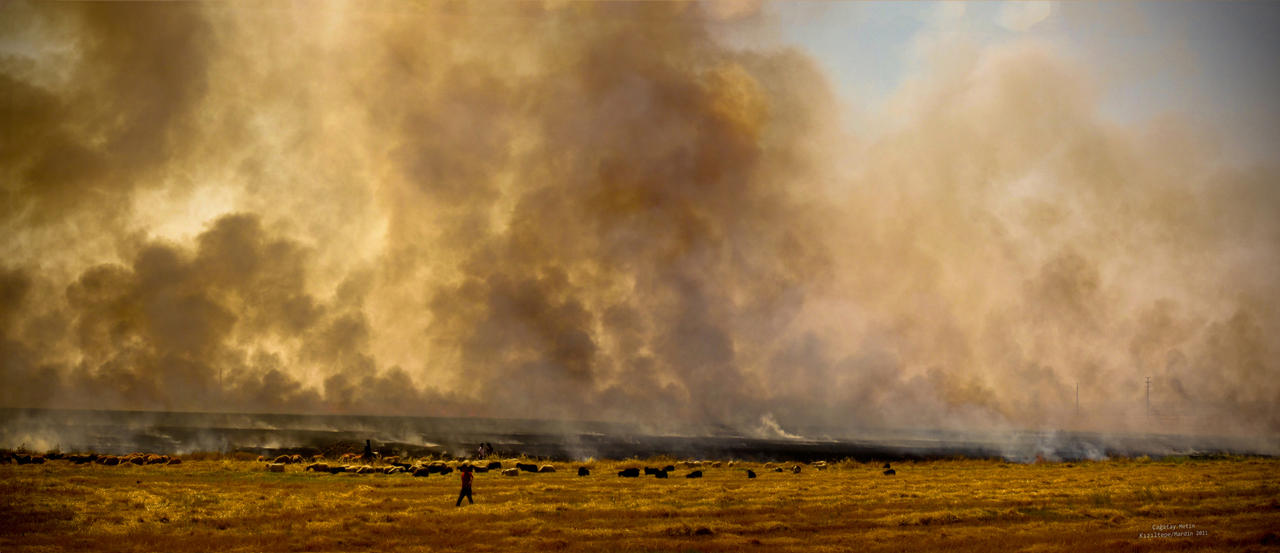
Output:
x=1228 y=504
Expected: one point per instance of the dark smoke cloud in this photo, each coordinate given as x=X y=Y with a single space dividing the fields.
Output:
x=600 y=211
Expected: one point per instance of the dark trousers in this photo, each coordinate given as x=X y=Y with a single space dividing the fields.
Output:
x=466 y=492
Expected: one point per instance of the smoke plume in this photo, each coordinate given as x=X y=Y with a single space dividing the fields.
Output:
x=592 y=211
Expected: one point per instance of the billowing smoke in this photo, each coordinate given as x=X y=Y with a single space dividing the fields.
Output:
x=604 y=212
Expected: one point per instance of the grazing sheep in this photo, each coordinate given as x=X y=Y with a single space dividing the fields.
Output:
x=715 y=465
x=511 y=472
x=694 y=474
x=446 y=470
x=632 y=472
x=669 y=468
x=295 y=458
x=275 y=467
x=768 y=465
x=730 y=464
x=364 y=469
x=437 y=467
x=392 y=470
x=660 y=474
x=527 y=467
x=391 y=460
x=820 y=465
x=494 y=465
x=751 y=473
x=336 y=469
x=53 y=455
x=154 y=459
x=795 y=469
x=174 y=461
x=422 y=472
x=282 y=460
x=651 y=471
x=886 y=465
x=317 y=458
x=546 y=468
x=777 y=469
x=137 y=459
x=317 y=467
x=890 y=472
x=475 y=468
x=262 y=459
x=109 y=460
x=691 y=464
x=584 y=471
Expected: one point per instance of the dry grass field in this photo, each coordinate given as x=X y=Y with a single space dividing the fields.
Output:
x=952 y=505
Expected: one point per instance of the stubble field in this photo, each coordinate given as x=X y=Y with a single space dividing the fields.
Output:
x=951 y=505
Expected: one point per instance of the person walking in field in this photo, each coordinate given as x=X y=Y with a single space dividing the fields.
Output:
x=467 y=477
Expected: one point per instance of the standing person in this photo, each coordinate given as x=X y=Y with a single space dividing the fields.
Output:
x=467 y=476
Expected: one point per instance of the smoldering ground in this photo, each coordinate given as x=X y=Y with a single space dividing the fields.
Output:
x=604 y=212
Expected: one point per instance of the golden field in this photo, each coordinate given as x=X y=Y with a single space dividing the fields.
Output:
x=1230 y=504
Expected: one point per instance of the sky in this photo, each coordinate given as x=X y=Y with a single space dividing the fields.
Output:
x=781 y=218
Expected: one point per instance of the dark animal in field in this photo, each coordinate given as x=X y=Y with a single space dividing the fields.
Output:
x=262 y=459
x=317 y=458
x=295 y=458
x=174 y=461
x=691 y=464
x=391 y=460
x=53 y=455
x=317 y=467
x=109 y=460
x=6 y=458
x=364 y=469
x=494 y=465
x=30 y=459
x=546 y=468
x=154 y=459
x=886 y=465
x=511 y=472
x=336 y=469
x=437 y=467
x=890 y=472
x=479 y=469
x=632 y=472
x=421 y=472
x=137 y=459
x=282 y=460
x=392 y=470
x=651 y=471
x=405 y=466
x=795 y=469
x=446 y=470
x=527 y=467
x=778 y=469
x=275 y=467
x=751 y=473
x=820 y=465
x=715 y=465
x=694 y=474
x=660 y=474
x=669 y=468
x=80 y=459
x=584 y=471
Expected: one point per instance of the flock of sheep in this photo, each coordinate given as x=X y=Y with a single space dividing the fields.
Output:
x=351 y=462
x=358 y=464
x=23 y=458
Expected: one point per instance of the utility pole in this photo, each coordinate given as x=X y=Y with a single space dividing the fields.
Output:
x=1148 y=398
